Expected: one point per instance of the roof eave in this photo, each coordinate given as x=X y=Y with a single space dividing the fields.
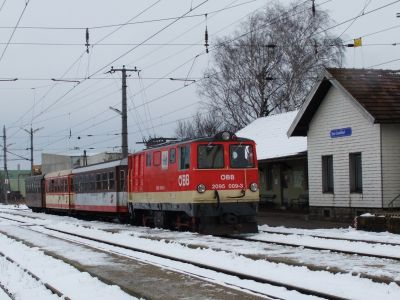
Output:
x=293 y=129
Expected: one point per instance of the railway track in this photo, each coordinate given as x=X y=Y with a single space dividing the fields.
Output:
x=305 y=246
x=102 y=245
x=47 y=286
x=331 y=237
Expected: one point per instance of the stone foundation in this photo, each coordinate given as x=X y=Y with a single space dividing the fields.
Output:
x=341 y=214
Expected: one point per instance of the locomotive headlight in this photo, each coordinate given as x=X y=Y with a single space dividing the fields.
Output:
x=201 y=188
x=226 y=136
x=253 y=187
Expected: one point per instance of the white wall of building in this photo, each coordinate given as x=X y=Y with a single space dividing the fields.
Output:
x=338 y=111
x=390 y=162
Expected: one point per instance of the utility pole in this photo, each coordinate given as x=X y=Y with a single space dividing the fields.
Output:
x=31 y=132
x=6 y=183
x=123 y=112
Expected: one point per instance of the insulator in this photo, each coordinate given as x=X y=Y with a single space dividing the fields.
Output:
x=313 y=8
x=87 y=40
x=206 y=36
x=206 y=40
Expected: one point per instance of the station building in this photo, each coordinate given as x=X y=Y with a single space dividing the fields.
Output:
x=352 y=123
x=282 y=162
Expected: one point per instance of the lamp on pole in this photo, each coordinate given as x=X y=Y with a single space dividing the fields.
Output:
x=31 y=132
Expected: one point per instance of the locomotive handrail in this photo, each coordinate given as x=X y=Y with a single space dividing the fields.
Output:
x=217 y=197
x=242 y=194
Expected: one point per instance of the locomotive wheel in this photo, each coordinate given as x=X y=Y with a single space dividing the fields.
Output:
x=160 y=219
x=136 y=218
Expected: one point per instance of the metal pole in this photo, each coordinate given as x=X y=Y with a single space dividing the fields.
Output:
x=124 y=132
x=123 y=112
x=31 y=133
x=6 y=177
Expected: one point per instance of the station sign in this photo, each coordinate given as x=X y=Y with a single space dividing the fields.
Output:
x=342 y=132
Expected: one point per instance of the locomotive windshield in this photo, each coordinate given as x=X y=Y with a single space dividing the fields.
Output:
x=241 y=156
x=210 y=157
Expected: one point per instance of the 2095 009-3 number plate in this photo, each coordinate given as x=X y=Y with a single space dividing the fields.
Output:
x=221 y=186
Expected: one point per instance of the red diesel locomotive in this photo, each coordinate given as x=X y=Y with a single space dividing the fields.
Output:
x=208 y=185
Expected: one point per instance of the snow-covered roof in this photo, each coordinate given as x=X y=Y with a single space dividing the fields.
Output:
x=269 y=133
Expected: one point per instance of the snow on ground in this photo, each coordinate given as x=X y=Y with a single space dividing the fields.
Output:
x=303 y=240
x=68 y=280
x=230 y=256
x=346 y=233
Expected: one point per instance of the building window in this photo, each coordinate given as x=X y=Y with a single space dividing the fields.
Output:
x=355 y=173
x=327 y=174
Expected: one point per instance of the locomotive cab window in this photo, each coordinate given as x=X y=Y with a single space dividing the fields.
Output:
x=210 y=157
x=184 y=157
x=148 y=159
x=241 y=156
x=172 y=155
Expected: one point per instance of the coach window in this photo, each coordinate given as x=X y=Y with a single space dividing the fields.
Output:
x=122 y=180
x=98 y=181
x=92 y=182
x=184 y=157
x=241 y=156
x=111 y=180
x=104 y=180
x=172 y=156
x=210 y=157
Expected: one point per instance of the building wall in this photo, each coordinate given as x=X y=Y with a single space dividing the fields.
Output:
x=55 y=162
x=337 y=111
x=390 y=162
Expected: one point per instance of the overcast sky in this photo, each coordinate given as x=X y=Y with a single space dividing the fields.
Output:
x=49 y=43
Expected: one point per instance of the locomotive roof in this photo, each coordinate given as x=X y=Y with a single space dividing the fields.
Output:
x=209 y=139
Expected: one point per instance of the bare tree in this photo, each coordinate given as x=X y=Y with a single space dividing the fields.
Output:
x=201 y=125
x=270 y=64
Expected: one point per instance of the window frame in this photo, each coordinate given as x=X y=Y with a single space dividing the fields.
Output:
x=222 y=148
x=253 y=163
x=186 y=162
x=172 y=155
x=328 y=183
x=355 y=173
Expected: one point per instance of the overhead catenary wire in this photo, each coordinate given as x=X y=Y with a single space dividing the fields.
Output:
x=2 y=5
x=127 y=23
x=63 y=75
x=368 y=2
x=14 y=29
x=122 y=55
